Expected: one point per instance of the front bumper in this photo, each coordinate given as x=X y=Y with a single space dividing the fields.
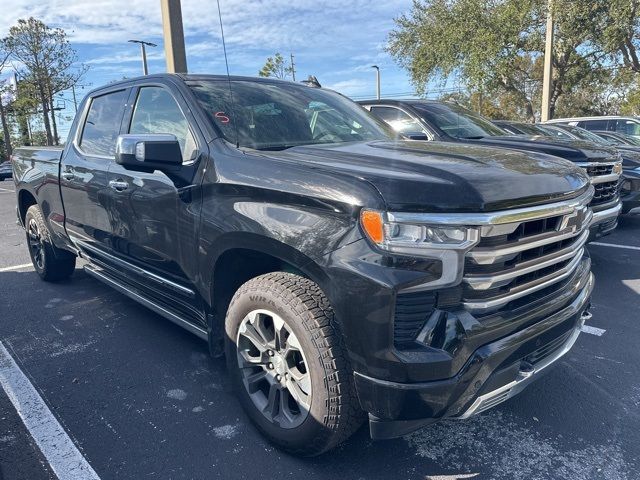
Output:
x=630 y=190
x=605 y=220
x=494 y=373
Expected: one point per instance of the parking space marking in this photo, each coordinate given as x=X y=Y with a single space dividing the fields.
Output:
x=63 y=456
x=593 y=330
x=615 y=245
x=452 y=477
x=15 y=267
x=7 y=190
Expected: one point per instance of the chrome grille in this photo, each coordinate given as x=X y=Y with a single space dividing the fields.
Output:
x=514 y=260
x=605 y=180
x=597 y=170
x=605 y=193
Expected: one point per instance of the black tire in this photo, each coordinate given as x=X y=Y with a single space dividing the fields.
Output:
x=51 y=263
x=334 y=413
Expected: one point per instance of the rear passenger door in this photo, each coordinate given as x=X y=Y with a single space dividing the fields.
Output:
x=155 y=219
x=84 y=170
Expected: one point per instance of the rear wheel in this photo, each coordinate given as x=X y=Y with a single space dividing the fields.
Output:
x=291 y=372
x=50 y=262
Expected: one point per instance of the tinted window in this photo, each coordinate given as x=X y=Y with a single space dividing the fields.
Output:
x=627 y=127
x=102 y=125
x=556 y=131
x=593 y=124
x=397 y=119
x=456 y=121
x=280 y=115
x=156 y=111
x=526 y=129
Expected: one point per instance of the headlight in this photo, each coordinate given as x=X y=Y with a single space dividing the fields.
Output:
x=445 y=243
x=413 y=238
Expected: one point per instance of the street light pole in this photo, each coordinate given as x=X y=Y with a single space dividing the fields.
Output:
x=547 y=77
x=174 y=49
x=377 y=81
x=145 y=70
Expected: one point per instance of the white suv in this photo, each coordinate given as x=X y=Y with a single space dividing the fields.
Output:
x=625 y=125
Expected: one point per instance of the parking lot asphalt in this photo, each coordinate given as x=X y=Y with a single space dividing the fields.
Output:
x=141 y=398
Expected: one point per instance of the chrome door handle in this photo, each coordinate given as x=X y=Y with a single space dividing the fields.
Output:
x=118 y=185
x=68 y=175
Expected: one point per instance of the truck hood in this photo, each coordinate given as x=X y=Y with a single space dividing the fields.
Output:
x=630 y=156
x=569 y=149
x=446 y=177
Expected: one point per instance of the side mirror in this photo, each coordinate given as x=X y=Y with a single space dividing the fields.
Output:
x=146 y=153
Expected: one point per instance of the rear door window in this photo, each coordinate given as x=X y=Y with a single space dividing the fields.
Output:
x=593 y=124
x=102 y=125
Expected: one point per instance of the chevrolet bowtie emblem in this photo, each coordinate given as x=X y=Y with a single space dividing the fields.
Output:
x=574 y=220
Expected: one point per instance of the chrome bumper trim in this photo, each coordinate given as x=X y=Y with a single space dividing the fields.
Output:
x=605 y=215
x=499 y=395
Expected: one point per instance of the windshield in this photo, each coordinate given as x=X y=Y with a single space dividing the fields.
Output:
x=280 y=115
x=530 y=129
x=456 y=121
x=583 y=134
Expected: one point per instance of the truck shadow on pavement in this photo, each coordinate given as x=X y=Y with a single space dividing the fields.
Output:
x=141 y=395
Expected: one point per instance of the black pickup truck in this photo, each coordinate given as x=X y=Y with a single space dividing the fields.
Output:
x=343 y=272
x=448 y=122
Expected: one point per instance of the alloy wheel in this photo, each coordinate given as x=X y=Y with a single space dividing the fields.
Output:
x=274 y=369
x=36 y=245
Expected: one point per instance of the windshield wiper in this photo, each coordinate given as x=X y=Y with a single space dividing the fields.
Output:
x=478 y=137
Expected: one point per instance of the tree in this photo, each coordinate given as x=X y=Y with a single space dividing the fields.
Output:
x=276 y=67
x=5 y=53
x=497 y=47
x=618 y=31
x=47 y=58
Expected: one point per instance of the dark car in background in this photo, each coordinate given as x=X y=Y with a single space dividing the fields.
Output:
x=448 y=122
x=627 y=146
x=620 y=140
x=5 y=171
x=521 y=128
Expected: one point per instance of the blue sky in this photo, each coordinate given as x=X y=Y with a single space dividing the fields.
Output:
x=336 y=41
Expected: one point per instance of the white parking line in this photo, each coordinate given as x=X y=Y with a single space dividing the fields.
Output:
x=614 y=245
x=16 y=267
x=63 y=457
x=593 y=330
x=7 y=190
x=452 y=477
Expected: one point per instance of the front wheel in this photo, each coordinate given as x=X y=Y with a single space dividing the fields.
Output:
x=50 y=262
x=284 y=353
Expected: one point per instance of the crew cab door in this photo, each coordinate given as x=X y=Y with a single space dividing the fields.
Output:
x=84 y=170
x=156 y=216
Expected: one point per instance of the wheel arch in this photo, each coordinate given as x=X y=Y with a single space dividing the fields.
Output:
x=26 y=199
x=249 y=255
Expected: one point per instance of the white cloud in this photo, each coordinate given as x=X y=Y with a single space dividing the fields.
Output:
x=332 y=39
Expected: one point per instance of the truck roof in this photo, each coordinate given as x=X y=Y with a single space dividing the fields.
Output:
x=190 y=76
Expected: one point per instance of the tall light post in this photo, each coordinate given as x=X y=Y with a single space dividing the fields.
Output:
x=145 y=71
x=547 y=78
x=377 y=80
x=174 y=50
